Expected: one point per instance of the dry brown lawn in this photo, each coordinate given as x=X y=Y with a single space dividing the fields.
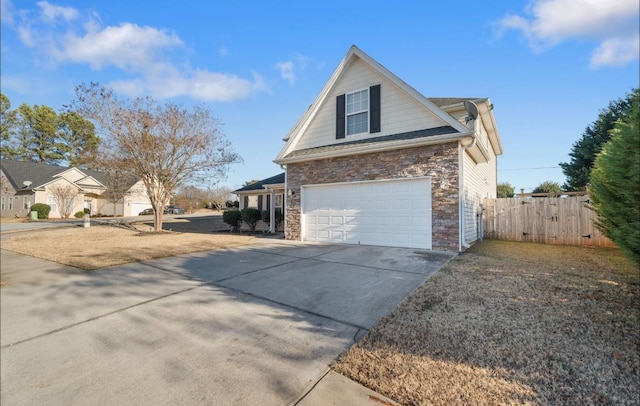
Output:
x=511 y=323
x=100 y=246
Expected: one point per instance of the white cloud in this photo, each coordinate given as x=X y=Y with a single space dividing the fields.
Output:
x=289 y=69
x=51 y=12
x=616 y=52
x=6 y=12
x=127 y=46
x=165 y=81
x=612 y=23
x=146 y=54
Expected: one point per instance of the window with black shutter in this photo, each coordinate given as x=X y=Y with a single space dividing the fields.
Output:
x=340 y=115
x=358 y=112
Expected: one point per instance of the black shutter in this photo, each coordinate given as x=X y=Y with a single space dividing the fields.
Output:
x=246 y=202
x=260 y=202
x=340 y=116
x=374 y=107
x=268 y=202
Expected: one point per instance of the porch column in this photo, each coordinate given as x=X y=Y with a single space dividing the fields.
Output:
x=272 y=212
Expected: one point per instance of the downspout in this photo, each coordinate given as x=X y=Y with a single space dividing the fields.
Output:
x=462 y=243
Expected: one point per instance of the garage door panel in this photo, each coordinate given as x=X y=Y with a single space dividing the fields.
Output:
x=395 y=213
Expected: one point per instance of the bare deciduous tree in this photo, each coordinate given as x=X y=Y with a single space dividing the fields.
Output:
x=165 y=145
x=219 y=196
x=65 y=196
x=118 y=182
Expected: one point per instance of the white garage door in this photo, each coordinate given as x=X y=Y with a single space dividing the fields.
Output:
x=395 y=213
x=138 y=207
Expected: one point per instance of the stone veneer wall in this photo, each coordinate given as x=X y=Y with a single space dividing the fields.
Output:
x=438 y=161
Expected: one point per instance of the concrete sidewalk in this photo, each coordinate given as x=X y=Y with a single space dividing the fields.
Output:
x=257 y=324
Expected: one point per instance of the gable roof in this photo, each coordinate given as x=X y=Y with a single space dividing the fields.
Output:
x=303 y=123
x=274 y=180
x=39 y=174
x=24 y=171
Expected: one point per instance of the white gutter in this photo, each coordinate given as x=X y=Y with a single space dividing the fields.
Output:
x=461 y=151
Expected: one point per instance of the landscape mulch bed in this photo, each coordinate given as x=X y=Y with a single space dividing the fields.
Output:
x=511 y=323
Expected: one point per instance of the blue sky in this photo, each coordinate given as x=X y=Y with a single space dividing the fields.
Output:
x=548 y=66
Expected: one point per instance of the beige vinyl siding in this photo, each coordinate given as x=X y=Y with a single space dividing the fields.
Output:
x=479 y=183
x=72 y=174
x=399 y=112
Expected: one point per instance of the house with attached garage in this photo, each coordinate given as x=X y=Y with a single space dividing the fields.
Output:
x=372 y=161
x=23 y=184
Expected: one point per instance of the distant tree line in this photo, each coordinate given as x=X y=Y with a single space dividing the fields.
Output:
x=39 y=134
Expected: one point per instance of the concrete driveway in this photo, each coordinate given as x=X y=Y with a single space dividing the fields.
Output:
x=252 y=325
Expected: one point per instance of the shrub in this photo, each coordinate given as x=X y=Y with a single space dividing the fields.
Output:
x=42 y=209
x=233 y=218
x=231 y=204
x=505 y=190
x=266 y=217
x=251 y=217
x=80 y=214
x=549 y=187
x=87 y=211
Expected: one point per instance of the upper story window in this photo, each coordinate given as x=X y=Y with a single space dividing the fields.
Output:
x=358 y=112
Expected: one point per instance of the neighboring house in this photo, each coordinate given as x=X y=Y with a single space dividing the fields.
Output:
x=25 y=183
x=372 y=161
x=259 y=195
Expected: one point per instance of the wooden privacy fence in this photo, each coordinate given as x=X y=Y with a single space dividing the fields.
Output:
x=550 y=220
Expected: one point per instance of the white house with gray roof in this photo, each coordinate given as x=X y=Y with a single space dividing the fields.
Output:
x=23 y=184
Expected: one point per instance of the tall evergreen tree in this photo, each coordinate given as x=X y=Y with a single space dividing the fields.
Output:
x=22 y=133
x=79 y=141
x=615 y=185
x=584 y=151
x=37 y=137
x=45 y=143
x=39 y=134
x=7 y=123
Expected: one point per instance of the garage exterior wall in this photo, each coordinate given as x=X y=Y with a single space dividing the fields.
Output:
x=479 y=183
x=440 y=162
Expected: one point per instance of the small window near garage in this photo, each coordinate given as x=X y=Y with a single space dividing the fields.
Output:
x=25 y=203
x=10 y=203
x=2 y=203
x=358 y=112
